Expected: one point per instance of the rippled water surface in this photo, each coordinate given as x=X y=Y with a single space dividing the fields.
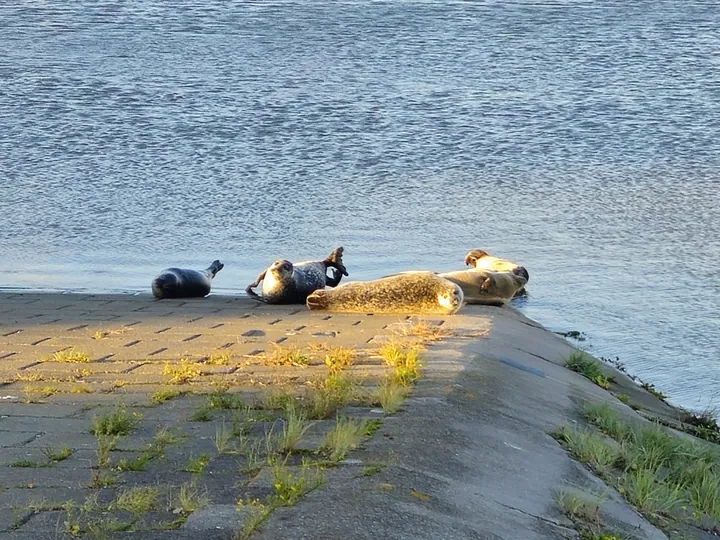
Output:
x=581 y=138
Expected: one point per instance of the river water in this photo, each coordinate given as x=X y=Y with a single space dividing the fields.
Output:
x=580 y=138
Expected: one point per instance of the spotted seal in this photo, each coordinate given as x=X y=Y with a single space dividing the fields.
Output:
x=416 y=292
x=183 y=283
x=487 y=288
x=287 y=283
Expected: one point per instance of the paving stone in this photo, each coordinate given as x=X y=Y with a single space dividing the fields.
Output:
x=15 y=438
x=43 y=424
x=217 y=516
x=45 y=477
x=35 y=410
x=13 y=518
x=48 y=497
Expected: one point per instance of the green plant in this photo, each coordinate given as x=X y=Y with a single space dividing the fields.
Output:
x=605 y=418
x=182 y=372
x=371 y=470
x=161 y=396
x=328 y=396
x=289 y=488
x=391 y=396
x=191 y=498
x=203 y=414
x=651 y=495
x=25 y=463
x=345 y=436
x=222 y=400
x=70 y=355
x=219 y=358
x=288 y=357
x=117 y=422
x=654 y=391
x=589 y=447
x=137 y=501
x=197 y=465
x=404 y=361
x=55 y=456
x=579 y=508
x=339 y=358
x=588 y=367
x=294 y=427
x=222 y=438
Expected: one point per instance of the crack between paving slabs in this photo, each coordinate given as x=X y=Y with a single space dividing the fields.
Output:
x=541 y=518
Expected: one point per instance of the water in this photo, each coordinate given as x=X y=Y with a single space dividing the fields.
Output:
x=580 y=138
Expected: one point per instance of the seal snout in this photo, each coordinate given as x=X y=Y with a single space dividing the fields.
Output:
x=282 y=265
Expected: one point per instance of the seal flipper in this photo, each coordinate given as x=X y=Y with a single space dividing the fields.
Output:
x=335 y=280
x=335 y=260
x=249 y=288
x=214 y=268
x=318 y=300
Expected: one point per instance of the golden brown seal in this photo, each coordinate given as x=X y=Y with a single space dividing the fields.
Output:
x=411 y=293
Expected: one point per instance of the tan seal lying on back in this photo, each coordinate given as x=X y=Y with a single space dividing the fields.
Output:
x=486 y=288
x=481 y=260
x=417 y=292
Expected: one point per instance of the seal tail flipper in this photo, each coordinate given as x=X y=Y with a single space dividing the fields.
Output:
x=162 y=286
x=333 y=281
x=335 y=260
x=214 y=268
x=473 y=255
x=318 y=300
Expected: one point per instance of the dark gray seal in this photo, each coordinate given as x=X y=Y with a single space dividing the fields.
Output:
x=183 y=283
x=287 y=283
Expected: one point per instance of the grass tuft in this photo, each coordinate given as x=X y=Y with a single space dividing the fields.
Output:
x=182 y=372
x=196 y=465
x=289 y=488
x=339 y=358
x=191 y=498
x=328 y=396
x=137 y=501
x=645 y=490
x=579 y=508
x=425 y=331
x=294 y=427
x=161 y=396
x=219 y=358
x=345 y=436
x=70 y=356
x=288 y=357
x=588 y=367
x=589 y=447
x=117 y=422
x=391 y=396
x=55 y=456
x=405 y=362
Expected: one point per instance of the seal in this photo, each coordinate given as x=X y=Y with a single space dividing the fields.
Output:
x=183 y=283
x=287 y=283
x=487 y=288
x=413 y=292
x=481 y=260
